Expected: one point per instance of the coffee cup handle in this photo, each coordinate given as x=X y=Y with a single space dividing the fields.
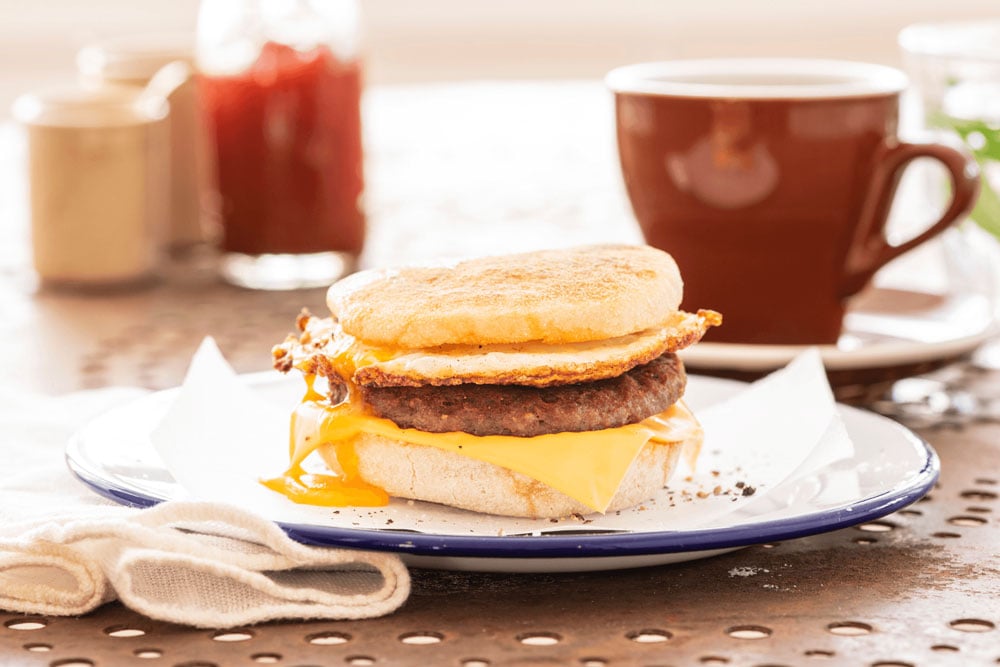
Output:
x=870 y=250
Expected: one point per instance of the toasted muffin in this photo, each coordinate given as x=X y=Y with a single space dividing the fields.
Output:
x=542 y=384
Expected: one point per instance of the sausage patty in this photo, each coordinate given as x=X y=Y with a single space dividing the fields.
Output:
x=529 y=411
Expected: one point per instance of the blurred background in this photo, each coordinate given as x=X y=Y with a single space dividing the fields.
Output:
x=543 y=173
x=445 y=40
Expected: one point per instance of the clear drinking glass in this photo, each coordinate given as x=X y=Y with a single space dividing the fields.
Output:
x=955 y=69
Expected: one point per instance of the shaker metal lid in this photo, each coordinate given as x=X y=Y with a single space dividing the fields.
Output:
x=78 y=106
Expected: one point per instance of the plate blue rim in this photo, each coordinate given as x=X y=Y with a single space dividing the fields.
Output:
x=594 y=545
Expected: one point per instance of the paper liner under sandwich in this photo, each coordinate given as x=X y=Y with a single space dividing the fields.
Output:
x=220 y=437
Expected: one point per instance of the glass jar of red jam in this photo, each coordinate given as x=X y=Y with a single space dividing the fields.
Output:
x=281 y=87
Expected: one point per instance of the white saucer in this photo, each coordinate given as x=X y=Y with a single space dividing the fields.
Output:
x=885 y=328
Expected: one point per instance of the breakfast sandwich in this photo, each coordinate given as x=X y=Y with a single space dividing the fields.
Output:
x=542 y=384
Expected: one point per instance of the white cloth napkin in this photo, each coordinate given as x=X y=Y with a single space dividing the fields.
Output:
x=65 y=551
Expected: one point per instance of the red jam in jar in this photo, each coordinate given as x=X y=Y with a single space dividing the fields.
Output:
x=287 y=138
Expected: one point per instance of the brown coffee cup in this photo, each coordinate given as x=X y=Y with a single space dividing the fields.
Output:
x=770 y=182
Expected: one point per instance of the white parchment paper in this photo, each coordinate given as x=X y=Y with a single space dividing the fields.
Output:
x=762 y=446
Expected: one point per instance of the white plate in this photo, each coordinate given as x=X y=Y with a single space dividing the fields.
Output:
x=890 y=469
x=885 y=328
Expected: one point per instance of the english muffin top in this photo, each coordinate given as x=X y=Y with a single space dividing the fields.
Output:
x=560 y=296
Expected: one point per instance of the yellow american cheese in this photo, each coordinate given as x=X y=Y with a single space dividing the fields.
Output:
x=587 y=466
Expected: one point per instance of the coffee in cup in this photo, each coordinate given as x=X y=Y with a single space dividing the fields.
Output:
x=770 y=182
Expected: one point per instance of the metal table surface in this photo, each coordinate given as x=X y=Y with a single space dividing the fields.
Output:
x=921 y=587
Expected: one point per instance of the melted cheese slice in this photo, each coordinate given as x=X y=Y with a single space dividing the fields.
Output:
x=587 y=466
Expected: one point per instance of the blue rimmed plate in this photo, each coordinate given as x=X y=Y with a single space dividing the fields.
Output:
x=890 y=468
